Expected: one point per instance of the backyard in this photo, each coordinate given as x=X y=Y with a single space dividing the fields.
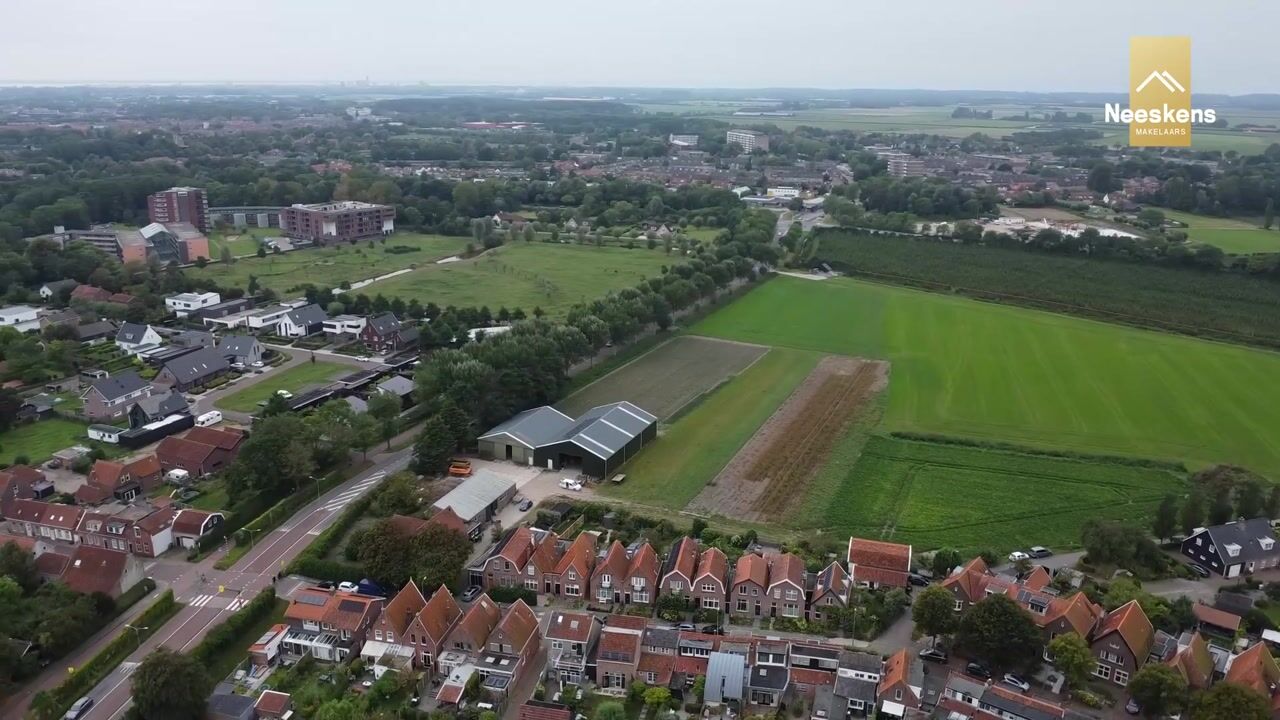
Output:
x=38 y=441
x=296 y=379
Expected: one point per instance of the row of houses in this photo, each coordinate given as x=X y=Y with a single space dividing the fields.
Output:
x=85 y=569
x=758 y=585
x=383 y=333
x=135 y=529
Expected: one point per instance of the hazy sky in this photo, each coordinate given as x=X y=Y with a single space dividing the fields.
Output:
x=938 y=44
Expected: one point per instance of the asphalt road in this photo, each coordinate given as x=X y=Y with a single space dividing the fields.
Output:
x=206 y=605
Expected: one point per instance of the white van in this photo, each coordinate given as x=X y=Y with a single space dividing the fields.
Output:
x=213 y=417
x=178 y=476
x=570 y=484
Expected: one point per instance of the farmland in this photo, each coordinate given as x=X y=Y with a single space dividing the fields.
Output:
x=1233 y=236
x=674 y=468
x=300 y=377
x=979 y=370
x=669 y=377
x=553 y=277
x=975 y=498
x=331 y=266
x=1232 y=307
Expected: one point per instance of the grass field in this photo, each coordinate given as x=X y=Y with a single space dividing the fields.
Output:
x=295 y=380
x=979 y=370
x=1233 y=236
x=242 y=241
x=40 y=440
x=332 y=265
x=674 y=468
x=527 y=275
x=669 y=377
x=933 y=495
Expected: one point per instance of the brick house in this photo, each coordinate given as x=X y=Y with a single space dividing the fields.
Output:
x=138 y=529
x=875 y=564
x=413 y=621
x=471 y=633
x=522 y=559
x=1122 y=643
x=386 y=334
x=196 y=458
x=513 y=644
x=709 y=585
x=572 y=575
x=225 y=442
x=120 y=481
x=109 y=398
x=750 y=581
x=18 y=483
x=618 y=653
x=680 y=567
x=642 y=576
x=830 y=591
x=902 y=681
x=329 y=625
x=786 y=587
x=607 y=579
x=110 y=572
x=44 y=521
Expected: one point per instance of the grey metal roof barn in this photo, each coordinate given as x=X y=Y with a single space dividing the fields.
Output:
x=724 y=677
x=598 y=442
x=478 y=496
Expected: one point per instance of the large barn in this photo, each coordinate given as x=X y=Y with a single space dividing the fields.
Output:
x=595 y=444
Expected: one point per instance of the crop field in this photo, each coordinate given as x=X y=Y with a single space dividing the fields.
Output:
x=669 y=377
x=296 y=379
x=973 y=498
x=331 y=266
x=770 y=475
x=1233 y=236
x=523 y=275
x=979 y=370
x=689 y=452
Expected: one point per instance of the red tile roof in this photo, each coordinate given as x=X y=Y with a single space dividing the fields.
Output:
x=224 y=438
x=713 y=563
x=273 y=703
x=570 y=626
x=518 y=546
x=876 y=553
x=536 y=710
x=811 y=677
x=1254 y=668
x=180 y=451
x=1038 y=579
x=190 y=521
x=752 y=568
x=94 y=569
x=106 y=474
x=403 y=608
x=1194 y=663
x=440 y=614
x=481 y=618
x=614 y=564
x=1133 y=626
x=662 y=666
x=1027 y=701
x=407 y=525
x=90 y=494
x=579 y=557
x=66 y=517
x=628 y=622
x=787 y=568
x=619 y=644
x=897 y=669
x=644 y=562
x=22 y=541
x=1080 y=612
x=448 y=518
x=52 y=564
x=1210 y=615
x=157 y=521
x=349 y=611
x=520 y=626
x=685 y=560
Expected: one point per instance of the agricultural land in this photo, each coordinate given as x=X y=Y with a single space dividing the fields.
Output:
x=1233 y=236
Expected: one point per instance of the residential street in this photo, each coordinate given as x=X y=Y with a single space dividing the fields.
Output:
x=198 y=586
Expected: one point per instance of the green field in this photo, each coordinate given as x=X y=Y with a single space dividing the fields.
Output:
x=527 y=275
x=295 y=379
x=972 y=369
x=1233 y=236
x=40 y=440
x=674 y=468
x=242 y=241
x=332 y=265
x=971 y=498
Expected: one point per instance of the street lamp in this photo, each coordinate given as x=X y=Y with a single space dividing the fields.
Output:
x=317 y=482
x=137 y=632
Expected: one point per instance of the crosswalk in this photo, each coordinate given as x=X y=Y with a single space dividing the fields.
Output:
x=345 y=497
x=215 y=601
x=127 y=668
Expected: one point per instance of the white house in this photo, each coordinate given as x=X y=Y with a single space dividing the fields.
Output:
x=183 y=304
x=267 y=318
x=303 y=321
x=134 y=337
x=339 y=325
x=22 y=318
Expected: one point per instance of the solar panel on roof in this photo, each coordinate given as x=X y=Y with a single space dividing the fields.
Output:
x=350 y=605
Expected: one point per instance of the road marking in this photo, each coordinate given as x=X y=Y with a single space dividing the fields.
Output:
x=236 y=604
x=128 y=667
x=200 y=600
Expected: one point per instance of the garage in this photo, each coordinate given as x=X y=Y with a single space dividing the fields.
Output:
x=595 y=444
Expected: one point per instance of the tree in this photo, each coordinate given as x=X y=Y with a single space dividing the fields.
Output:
x=611 y=710
x=1100 y=178
x=441 y=554
x=384 y=408
x=1269 y=214
x=19 y=565
x=1221 y=511
x=655 y=698
x=1249 y=499
x=1192 y=512
x=934 y=612
x=1165 y=522
x=169 y=685
x=1071 y=655
x=433 y=447
x=385 y=555
x=344 y=709
x=1272 y=506
x=944 y=561
x=1159 y=689
x=1000 y=633
x=1226 y=701
x=225 y=256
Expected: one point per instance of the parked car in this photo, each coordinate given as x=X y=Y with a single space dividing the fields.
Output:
x=475 y=534
x=570 y=484
x=1132 y=707
x=325 y=585
x=54 y=464
x=525 y=506
x=1199 y=569
x=348 y=586
x=1039 y=551
x=284 y=394
x=687 y=627
x=712 y=629
x=79 y=709
x=471 y=593
x=1018 y=556
x=918 y=580
x=257 y=364
x=933 y=654
x=978 y=670
x=1016 y=681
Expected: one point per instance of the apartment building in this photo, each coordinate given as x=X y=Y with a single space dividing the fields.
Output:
x=180 y=205
x=748 y=139
x=337 y=222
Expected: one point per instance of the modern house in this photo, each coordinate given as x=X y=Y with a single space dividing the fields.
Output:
x=109 y=398
x=1240 y=546
x=193 y=369
x=596 y=443
x=342 y=221
x=240 y=350
x=157 y=406
x=302 y=321
x=184 y=304
x=343 y=328
x=572 y=637
x=133 y=338
x=22 y=318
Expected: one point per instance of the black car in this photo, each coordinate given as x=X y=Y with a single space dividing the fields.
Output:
x=978 y=670
x=326 y=585
x=712 y=629
x=1199 y=569
x=918 y=580
x=933 y=654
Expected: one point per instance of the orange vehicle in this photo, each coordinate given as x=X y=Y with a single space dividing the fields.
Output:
x=460 y=468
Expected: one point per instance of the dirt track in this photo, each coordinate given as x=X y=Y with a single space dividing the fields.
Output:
x=772 y=471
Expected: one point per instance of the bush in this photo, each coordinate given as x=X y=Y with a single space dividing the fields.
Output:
x=228 y=632
x=1088 y=699
x=511 y=594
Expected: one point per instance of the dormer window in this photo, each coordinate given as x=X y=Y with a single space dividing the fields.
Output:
x=1232 y=549
x=1266 y=543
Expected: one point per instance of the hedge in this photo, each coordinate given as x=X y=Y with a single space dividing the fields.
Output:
x=228 y=632
x=312 y=561
x=512 y=594
x=52 y=704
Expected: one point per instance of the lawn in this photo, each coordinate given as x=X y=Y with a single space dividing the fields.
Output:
x=972 y=369
x=523 y=275
x=669 y=377
x=242 y=241
x=1233 y=236
x=38 y=441
x=295 y=379
x=674 y=468
x=330 y=266
x=971 y=498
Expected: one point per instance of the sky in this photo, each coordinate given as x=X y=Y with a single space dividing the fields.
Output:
x=1035 y=45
